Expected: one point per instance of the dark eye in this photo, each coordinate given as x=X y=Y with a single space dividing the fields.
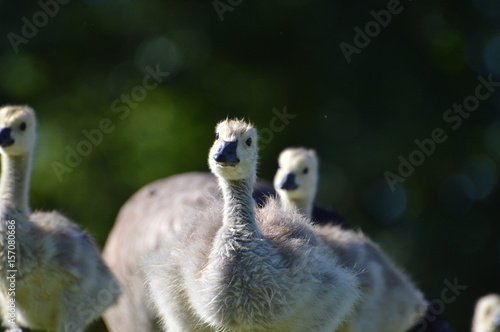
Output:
x=216 y=135
x=249 y=141
x=306 y=170
x=23 y=126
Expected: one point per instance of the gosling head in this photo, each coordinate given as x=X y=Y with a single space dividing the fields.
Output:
x=487 y=314
x=297 y=175
x=17 y=130
x=234 y=154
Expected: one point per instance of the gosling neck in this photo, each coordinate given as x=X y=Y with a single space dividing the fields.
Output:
x=14 y=183
x=239 y=213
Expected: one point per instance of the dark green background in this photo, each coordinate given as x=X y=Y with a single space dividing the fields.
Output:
x=442 y=223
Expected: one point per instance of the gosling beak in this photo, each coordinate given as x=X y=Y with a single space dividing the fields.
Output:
x=288 y=183
x=226 y=154
x=5 y=138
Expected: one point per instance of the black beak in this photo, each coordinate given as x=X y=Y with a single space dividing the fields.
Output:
x=5 y=138
x=227 y=153
x=288 y=182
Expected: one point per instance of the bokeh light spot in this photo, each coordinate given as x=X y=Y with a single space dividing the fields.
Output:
x=491 y=55
x=483 y=173
x=22 y=75
x=456 y=194
x=386 y=206
x=159 y=51
x=492 y=140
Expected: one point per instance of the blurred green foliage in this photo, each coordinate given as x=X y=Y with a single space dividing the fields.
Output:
x=441 y=223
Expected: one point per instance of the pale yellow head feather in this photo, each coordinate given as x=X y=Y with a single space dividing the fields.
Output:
x=21 y=121
x=246 y=150
x=303 y=163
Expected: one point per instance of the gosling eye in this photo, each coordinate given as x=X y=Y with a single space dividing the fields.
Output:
x=216 y=135
x=23 y=126
x=249 y=141
x=306 y=170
